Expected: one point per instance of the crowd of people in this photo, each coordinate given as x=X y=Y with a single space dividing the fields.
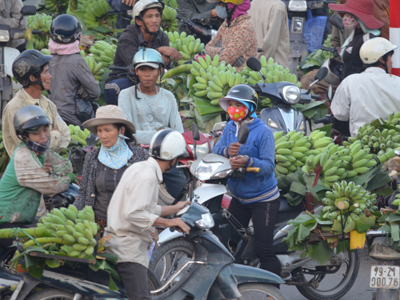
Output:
x=121 y=181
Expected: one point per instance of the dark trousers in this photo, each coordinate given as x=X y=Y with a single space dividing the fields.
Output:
x=114 y=87
x=264 y=216
x=134 y=278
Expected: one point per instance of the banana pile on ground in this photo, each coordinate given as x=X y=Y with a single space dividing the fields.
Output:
x=272 y=71
x=168 y=20
x=78 y=136
x=187 y=45
x=40 y=22
x=103 y=53
x=95 y=67
x=56 y=6
x=345 y=204
x=95 y=12
x=214 y=78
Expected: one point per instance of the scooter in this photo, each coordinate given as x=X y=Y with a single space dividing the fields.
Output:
x=314 y=281
x=7 y=57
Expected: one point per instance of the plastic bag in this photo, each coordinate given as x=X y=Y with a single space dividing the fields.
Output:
x=85 y=108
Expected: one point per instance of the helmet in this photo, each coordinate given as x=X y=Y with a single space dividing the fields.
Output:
x=29 y=63
x=334 y=71
x=167 y=144
x=147 y=57
x=241 y=93
x=236 y=2
x=142 y=5
x=29 y=118
x=65 y=29
x=372 y=50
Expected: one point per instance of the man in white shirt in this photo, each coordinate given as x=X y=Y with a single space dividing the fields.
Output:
x=372 y=94
x=133 y=211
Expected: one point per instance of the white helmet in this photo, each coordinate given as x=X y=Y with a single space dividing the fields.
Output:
x=143 y=5
x=372 y=50
x=167 y=144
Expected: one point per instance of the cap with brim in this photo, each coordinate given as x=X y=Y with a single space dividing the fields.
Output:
x=362 y=9
x=109 y=114
x=153 y=65
x=223 y=102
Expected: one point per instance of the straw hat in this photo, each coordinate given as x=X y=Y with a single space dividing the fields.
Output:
x=109 y=114
x=362 y=9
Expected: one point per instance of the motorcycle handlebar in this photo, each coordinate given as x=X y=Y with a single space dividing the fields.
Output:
x=253 y=169
x=328 y=49
x=328 y=119
x=316 y=97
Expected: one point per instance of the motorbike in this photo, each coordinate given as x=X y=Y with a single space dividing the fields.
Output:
x=7 y=57
x=204 y=33
x=314 y=281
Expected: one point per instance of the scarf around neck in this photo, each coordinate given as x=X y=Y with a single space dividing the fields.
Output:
x=63 y=49
x=116 y=156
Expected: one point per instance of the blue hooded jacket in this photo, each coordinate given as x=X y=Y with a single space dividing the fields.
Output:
x=260 y=148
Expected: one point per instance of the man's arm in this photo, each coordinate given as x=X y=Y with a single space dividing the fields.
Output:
x=175 y=118
x=341 y=103
x=211 y=48
x=87 y=80
x=10 y=138
x=15 y=16
x=60 y=135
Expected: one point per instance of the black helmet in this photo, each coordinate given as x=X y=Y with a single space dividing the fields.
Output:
x=65 y=29
x=242 y=93
x=29 y=62
x=29 y=118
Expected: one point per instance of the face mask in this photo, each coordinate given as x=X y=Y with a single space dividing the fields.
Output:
x=349 y=21
x=221 y=12
x=37 y=147
x=237 y=114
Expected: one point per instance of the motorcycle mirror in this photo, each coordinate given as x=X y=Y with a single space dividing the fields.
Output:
x=28 y=10
x=195 y=132
x=329 y=93
x=336 y=21
x=321 y=74
x=243 y=134
x=254 y=64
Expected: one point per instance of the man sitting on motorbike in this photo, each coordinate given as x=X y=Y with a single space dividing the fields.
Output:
x=133 y=211
x=33 y=170
x=71 y=75
x=236 y=39
x=150 y=108
x=363 y=98
x=145 y=32
x=256 y=195
x=10 y=14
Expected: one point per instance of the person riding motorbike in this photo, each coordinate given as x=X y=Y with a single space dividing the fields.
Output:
x=363 y=98
x=256 y=195
x=10 y=15
x=121 y=6
x=236 y=38
x=145 y=32
x=150 y=108
x=198 y=11
x=133 y=211
x=34 y=170
x=71 y=75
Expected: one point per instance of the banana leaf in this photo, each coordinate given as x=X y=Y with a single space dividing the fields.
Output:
x=205 y=107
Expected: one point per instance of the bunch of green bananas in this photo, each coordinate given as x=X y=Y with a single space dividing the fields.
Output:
x=187 y=45
x=319 y=140
x=95 y=12
x=40 y=22
x=169 y=21
x=76 y=229
x=103 y=53
x=171 y=3
x=272 y=71
x=78 y=136
x=346 y=203
x=56 y=6
x=96 y=68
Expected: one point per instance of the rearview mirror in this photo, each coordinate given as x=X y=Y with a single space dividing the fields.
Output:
x=28 y=10
x=336 y=21
x=254 y=64
x=243 y=134
x=195 y=132
x=321 y=74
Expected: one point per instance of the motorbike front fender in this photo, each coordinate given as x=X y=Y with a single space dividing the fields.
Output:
x=168 y=235
x=208 y=191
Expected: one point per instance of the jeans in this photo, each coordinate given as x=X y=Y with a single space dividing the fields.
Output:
x=175 y=182
x=114 y=87
x=134 y=278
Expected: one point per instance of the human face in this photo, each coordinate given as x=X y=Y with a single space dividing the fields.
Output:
x=108 y=134
x=40 y=136
x=389 y=64
x=235 y=104
x=152 y=19
x=147 y=76
x=46 y=78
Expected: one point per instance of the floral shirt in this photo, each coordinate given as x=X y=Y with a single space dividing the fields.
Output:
x=239 y=39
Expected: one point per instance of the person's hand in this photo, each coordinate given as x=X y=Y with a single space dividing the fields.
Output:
x=181 y=204
x=238 y=161
x=54 y=129
x=166 y=60
x=47 y=166
x=233 y=149
x=177 y=222
x=129 y=2
x=170 y=52
x=196 y=57
x=214 y=13
x=154 y=235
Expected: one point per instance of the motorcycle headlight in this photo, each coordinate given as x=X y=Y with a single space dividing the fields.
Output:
x=206 y=221
x=4 y=35
x=296 y=5
x=201 y=150
x=302 y=126
x=205 y=171
x=272 y=123
x=291 y=94
x=222 y=174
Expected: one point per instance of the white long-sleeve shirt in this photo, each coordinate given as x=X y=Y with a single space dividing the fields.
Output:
x=363 y=98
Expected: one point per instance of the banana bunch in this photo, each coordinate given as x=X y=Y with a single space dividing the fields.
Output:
x=168 y=20
x=345 y=204
x=319 y=140
x=171 y=3
x=76 y=229
x=396 y=202
x=45 y=51
x=95 y=12
x=103 y=53
x=272 y=71
x=78 y=136
x=56 y=6
x=96 y=68
x=40 y=22
x=187 y=45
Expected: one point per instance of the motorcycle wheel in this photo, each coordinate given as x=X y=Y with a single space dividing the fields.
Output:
x=344 y=278
x=51 y=294
x=252 y=291
x=169 y=257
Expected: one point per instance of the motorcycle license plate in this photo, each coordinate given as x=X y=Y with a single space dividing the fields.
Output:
x=385 y=277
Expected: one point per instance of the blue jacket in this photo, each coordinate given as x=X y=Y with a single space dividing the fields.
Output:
x=260 y=147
